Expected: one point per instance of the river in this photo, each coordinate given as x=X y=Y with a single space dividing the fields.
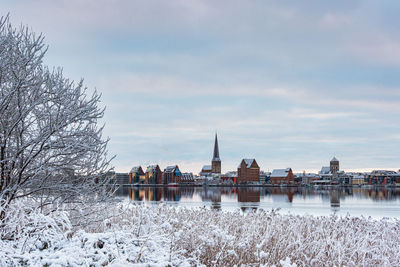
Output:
x=375 y=202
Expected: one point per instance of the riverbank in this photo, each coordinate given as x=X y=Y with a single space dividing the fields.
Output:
x=138 y=235
x=259 y=185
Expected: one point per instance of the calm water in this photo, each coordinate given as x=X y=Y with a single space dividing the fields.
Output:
x=377 y=202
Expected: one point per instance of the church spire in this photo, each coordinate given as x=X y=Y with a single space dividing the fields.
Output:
x=216 y=150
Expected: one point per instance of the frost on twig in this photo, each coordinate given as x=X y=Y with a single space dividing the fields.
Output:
x=51 y=146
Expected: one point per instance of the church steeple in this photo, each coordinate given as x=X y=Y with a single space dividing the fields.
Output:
x=216 y=150
x=216 y=161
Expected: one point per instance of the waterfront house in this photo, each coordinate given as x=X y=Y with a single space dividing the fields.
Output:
x=357 y=178
x=187 y=177
x=382 y=177
x=206 y=170
x=264 y=177
x=230 y=176
x=172 y=174
x=306 y=178
x=248 y=171
x=153 y=175
x=136 y=175
x=282 y=176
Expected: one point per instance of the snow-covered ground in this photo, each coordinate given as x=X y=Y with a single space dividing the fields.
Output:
x=166 y=236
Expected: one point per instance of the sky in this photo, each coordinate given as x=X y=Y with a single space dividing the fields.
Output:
x=289 y=83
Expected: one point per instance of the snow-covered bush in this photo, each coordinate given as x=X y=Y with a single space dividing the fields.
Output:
x=26 y=229
x=162 y=235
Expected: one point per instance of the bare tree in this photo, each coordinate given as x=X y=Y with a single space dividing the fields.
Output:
x=50 y=140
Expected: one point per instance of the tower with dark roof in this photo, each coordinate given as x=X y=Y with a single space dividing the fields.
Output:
x=216 y=161
x=334 y=165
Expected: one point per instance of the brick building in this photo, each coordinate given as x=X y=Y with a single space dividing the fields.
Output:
x=216 y=161
x=136 y=175
x=282 y=176
x=334 y=165
x=172 y=175
x=153 y=175
x=187 y=177
x=206 y=170
x=248 y=171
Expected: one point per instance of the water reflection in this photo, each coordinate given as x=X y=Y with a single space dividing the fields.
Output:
x=358 y=201
x=248 y=198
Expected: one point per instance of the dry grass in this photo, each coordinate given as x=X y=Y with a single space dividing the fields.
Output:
x=217 y=238
x=137 y=234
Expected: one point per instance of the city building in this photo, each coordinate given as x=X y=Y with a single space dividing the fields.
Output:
x=305 y=178
x=265 y=177
x=282 y=176
x=248 y=171
x=230 y=176
x=334 y=166
x=382 y=177
x=206 y=170
x=187 y=177
x=153 y=175
x=136 y=175
x=357 y=178
x=216 y=161
x=172 y=175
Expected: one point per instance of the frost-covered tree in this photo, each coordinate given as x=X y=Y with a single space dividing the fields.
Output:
x=50 y=140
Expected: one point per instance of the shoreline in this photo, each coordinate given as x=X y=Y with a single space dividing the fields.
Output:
x=259 y=185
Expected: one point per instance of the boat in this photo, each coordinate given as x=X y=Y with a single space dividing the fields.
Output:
x=172 y=185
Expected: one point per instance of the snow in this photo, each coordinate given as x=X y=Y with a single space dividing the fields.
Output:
x=325 y=170
x=280 y=172
x=248 y=163
x=160 y=235
x=207 y=168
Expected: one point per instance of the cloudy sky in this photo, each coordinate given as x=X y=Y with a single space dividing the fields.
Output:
x=290 y=83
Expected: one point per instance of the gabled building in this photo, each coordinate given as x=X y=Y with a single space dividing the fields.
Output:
x=136 y=175
x=187 y=177
x=206 y=170
x=383 y=177
x=325 y=174
x=248 y=171
x=282 y=176
x=153 y=175
x=172 y=174
x=230 y=176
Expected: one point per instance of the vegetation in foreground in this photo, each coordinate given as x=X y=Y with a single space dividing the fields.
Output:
x=162 y=235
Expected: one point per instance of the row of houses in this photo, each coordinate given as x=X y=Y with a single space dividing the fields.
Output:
x=154 y=175
x=376 y=177
x=248 y=171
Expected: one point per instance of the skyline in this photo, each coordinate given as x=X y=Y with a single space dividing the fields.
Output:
x=291 y=85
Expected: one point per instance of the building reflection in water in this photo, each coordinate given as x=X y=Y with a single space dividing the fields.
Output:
x=213 y=195
x=279 y=194
x=335 y=200
x=250 y=197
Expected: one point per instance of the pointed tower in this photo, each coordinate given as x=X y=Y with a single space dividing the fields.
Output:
x=216 y=161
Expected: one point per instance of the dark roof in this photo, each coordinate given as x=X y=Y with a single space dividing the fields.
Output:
x=216 y=150
x=170 y=168
x=248 y=162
